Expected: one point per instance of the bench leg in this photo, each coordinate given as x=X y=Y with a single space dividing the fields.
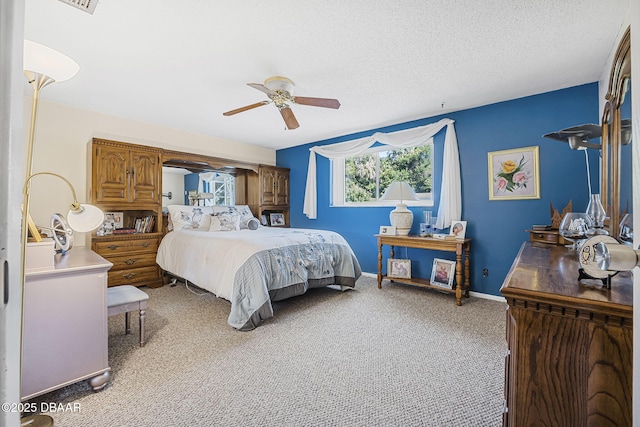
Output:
x=127 y=324
x=142 y=316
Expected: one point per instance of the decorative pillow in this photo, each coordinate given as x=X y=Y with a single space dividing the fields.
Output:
x=229 y=221
x=246 y=216
x=193 y=217
x=215 y=223
x=250 y=224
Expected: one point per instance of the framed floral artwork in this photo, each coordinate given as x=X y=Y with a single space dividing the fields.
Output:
x=514 y=174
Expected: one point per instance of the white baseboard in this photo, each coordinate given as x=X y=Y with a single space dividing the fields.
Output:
x=471 y=293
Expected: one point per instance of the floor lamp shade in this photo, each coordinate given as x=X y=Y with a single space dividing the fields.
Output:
x=401 y=218
x=46 y=61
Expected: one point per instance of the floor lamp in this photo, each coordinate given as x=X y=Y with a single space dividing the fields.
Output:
x=42 y=66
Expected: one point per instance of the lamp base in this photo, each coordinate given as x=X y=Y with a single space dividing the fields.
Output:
x=402 y=219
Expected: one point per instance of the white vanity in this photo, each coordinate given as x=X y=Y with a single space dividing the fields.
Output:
x=65 y=333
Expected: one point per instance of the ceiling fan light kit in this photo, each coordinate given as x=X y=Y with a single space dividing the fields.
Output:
x=280 y=92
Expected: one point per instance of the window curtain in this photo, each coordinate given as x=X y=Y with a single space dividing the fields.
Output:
x=450 y=207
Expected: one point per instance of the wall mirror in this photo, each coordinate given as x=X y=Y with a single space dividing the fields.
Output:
x=616 y=181
x=195 y=164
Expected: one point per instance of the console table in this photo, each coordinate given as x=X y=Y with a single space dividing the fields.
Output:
x=459 y=246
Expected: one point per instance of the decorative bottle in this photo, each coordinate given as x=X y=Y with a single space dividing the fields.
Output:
x=597 y=214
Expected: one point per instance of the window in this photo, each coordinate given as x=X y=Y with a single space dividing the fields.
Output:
x=223 y=188
x=361 y=180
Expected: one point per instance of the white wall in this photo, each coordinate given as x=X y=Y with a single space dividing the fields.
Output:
x=60 y=146
x=173 y=181
x=11 y=177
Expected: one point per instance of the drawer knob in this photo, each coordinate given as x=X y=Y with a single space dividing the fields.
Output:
x=113 y=247
x=130 y=261
x=145 y=244
x=129 y=275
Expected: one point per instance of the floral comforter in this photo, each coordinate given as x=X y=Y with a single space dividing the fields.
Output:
x=252 y=268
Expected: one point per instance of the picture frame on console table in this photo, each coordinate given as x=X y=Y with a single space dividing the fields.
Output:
x=458 y=229
x=399 y=268
x=387 y=230
x=514 y=174
x=443 y=273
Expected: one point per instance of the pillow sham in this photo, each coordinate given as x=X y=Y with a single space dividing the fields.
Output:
x=190 y=217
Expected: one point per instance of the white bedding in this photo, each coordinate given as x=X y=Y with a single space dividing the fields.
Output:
x=252 y=264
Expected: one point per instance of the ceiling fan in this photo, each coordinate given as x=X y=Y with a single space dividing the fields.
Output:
x=280 y=91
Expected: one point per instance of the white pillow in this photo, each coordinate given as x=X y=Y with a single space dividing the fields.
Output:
x=215 y=224
x=194 y=217
x=246 y=216
x=229 y=221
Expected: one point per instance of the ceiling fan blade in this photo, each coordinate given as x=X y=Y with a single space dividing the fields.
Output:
x=261 y=88
x=289 y=118
x=245 y=108
x=317 y=102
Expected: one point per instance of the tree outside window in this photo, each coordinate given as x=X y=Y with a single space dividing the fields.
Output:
x=366 y=177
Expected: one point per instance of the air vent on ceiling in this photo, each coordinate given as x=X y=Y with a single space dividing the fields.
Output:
x=85 y=5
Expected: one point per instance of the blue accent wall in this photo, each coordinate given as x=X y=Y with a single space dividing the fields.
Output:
x=497 y=227
x=191 y=181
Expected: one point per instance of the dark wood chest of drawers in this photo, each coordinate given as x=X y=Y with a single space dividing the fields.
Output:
x=570 y=344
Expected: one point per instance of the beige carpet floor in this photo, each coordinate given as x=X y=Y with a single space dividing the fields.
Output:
x=396 y=356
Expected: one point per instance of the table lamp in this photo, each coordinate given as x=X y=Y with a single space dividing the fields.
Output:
x=401 y=217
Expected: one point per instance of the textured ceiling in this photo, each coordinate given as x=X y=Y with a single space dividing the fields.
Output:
x=182 y=64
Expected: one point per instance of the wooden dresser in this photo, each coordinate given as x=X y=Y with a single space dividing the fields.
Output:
x=569 y=358
x=268 y=190
x=127 y=179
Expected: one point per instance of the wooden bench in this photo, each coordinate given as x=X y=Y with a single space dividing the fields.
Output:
x=125 y=299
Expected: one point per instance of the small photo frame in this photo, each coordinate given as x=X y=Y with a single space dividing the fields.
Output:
x=443 y=273
x=458 y=229
x=115 y=218
x=277 y=219
x=387 y=230
x=399 y=268
x=263 y=220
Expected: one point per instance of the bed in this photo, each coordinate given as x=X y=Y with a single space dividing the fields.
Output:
x=225 y=251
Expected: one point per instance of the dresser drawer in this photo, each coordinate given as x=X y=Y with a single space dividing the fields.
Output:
x=550 y=237
x=120 y=247
x=111 y=248
x=144 y=245
x=539 y=237
x=133 y=276
x=132 y=260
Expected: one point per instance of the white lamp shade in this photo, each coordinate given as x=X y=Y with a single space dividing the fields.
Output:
x=399 y=190
x=86 y=220
x=49 y=62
